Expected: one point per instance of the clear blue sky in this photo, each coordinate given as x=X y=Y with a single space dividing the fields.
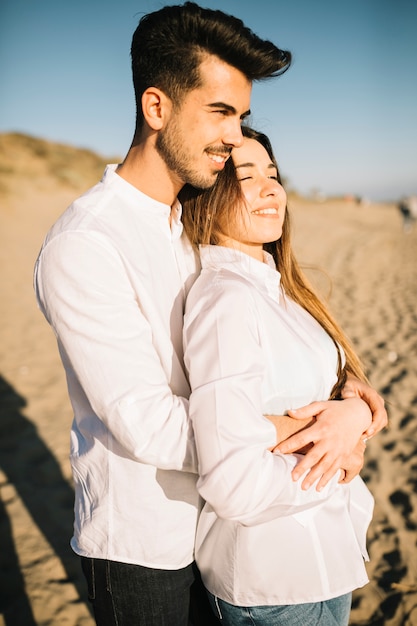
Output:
x=343 y=119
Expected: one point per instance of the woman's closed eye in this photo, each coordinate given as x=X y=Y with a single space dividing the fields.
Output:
x=275 y=177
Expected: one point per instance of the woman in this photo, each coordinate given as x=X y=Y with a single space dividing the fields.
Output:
x=258 y=342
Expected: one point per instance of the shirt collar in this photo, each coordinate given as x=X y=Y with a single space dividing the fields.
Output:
x=260 y=274
x=176 y=223
x=146 y=202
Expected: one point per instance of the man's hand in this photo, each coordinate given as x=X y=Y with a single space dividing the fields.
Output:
x=339 y=426
x=354 y=462
x=287 y=426
x=356 y=388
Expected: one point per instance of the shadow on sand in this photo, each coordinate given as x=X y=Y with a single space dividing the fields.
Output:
x=37 y=478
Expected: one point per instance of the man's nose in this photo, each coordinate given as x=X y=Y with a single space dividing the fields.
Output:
x=234 y=136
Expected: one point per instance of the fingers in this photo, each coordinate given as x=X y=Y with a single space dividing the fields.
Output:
x=343 y=475
x=296 y=443
x=354 y=462
x=379 y=421
x=320 y=466
x=355 y=466
x=303 y=440
x=349 y=475
x=323 y=471
x=348 y=392
x=316 y=473
x=355 y=387
x=310 y=410
x=333 y=438
x=310 y=460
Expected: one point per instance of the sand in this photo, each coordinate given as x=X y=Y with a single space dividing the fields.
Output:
x=370 y=265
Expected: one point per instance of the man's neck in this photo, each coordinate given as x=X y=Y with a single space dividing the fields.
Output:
x=145 y=169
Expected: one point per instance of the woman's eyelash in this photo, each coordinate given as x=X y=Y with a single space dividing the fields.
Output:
x=249 y=177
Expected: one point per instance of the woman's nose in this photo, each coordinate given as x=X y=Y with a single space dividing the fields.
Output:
x=271 y=187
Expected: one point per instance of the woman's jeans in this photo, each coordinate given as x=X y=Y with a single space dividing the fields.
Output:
x=132 y=595
x=333 y=612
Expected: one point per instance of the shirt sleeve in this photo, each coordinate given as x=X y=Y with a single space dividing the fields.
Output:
x=239 y=477
x=89 y=301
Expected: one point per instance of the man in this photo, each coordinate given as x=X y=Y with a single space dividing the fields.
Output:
x=111 y=279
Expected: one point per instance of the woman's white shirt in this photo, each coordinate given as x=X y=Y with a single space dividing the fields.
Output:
x=251 y=351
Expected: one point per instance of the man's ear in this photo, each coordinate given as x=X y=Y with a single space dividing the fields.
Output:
x=156 y=107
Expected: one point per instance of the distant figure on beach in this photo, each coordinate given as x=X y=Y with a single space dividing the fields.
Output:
x=407 y=207
x=258 y=341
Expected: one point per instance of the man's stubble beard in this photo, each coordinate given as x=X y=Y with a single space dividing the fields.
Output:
x=170 y=145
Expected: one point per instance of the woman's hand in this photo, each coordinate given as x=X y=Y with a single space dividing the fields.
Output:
x=340 y=424
x=356 y=388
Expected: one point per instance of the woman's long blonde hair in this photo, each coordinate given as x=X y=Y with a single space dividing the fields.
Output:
x=206 y=214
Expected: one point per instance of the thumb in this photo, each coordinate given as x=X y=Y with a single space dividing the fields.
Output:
x=348 y=392
x=311 y=410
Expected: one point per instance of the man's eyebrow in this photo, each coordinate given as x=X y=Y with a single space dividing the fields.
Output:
x=228 y=107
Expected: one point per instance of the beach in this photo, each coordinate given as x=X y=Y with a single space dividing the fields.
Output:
x=358 y=256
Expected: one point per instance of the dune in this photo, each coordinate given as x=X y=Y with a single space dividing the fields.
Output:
x=363 y=262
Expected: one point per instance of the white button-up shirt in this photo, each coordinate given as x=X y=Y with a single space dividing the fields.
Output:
x=111 y=279
x=251 y=351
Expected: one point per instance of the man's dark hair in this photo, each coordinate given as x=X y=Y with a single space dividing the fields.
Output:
x=169 y=45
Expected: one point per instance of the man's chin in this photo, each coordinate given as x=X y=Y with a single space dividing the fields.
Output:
x=206 y=183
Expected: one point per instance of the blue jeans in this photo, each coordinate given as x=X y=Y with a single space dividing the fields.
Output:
x=132 y=595
x=333 y=612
